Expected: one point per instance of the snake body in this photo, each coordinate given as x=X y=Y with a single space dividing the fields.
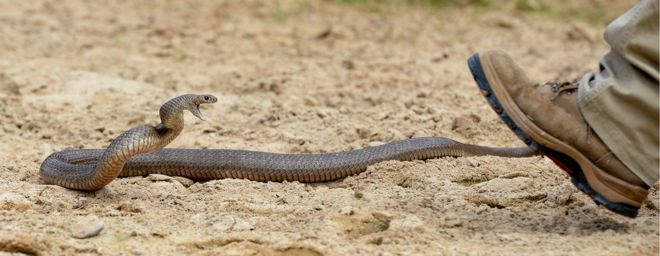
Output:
x=139 y=151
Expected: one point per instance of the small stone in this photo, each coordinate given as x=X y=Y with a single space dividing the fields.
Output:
x=321 y=113
x=86 y=227
x=559 y=195
x=13 y=201
x=375 y=143
x=158 y=177
x=184 y=181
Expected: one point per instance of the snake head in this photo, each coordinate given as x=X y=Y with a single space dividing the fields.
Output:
x=198 y=100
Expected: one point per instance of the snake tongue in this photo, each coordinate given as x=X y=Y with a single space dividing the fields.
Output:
x=195 y=111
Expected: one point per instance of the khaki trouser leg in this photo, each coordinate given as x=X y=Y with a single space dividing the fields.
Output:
x=621 y=102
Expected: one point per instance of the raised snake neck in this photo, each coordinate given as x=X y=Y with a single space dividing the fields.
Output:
x=138 y=152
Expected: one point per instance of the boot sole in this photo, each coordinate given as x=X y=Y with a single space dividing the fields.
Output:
x=585 y=175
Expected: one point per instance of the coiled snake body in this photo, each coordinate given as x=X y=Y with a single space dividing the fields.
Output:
x=139 y=152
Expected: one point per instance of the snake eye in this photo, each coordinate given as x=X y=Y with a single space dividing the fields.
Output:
x=206 y=98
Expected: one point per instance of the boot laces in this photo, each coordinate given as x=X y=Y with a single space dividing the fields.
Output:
x=559 y=87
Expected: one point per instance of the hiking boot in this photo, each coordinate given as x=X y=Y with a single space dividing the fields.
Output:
x=547 y=116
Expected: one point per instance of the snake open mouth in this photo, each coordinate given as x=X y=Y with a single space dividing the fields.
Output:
x=198 y=113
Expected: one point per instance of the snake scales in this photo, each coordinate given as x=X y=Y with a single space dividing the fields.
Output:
x=139 y=152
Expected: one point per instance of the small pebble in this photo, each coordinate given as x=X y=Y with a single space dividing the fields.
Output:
x=559 y=196
x=158 y=177
x=184 y=181
x=86 y=227
x=375 y=143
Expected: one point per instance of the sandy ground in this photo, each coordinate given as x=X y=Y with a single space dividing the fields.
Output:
x=290 y=77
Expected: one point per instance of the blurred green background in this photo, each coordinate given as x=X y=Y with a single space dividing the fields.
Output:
x=595 y=12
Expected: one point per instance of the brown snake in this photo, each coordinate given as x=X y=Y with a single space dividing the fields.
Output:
x=138 y=152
